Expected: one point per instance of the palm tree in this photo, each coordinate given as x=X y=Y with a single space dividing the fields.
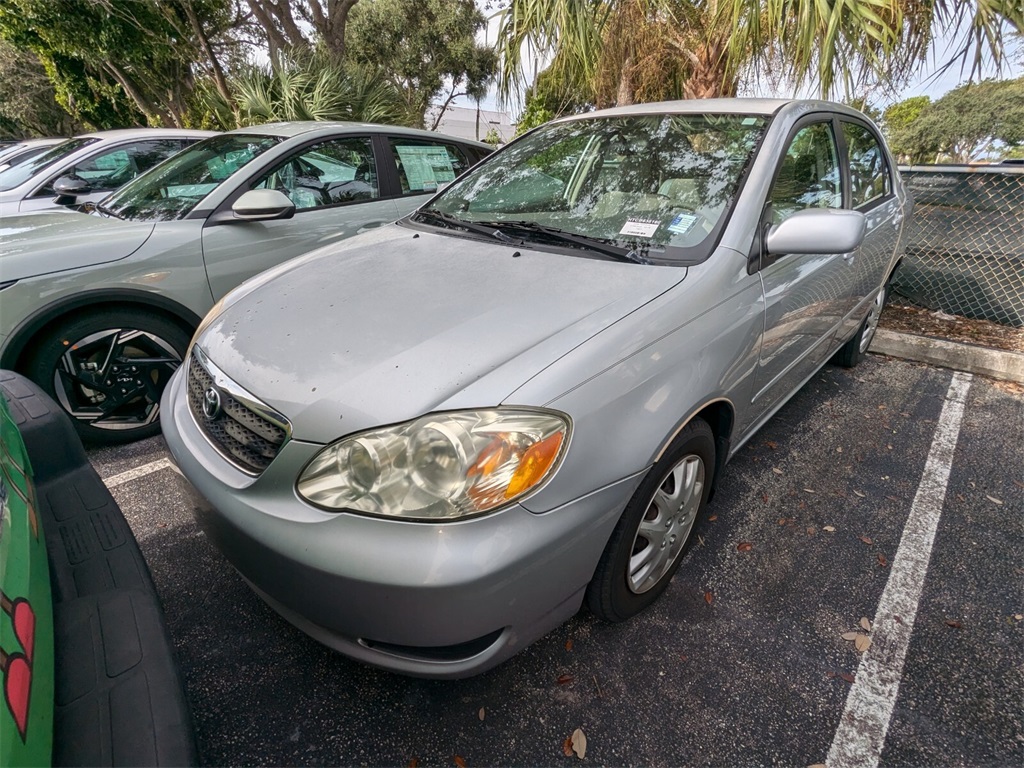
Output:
x=621 y=51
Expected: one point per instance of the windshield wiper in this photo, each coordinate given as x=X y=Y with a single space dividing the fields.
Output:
x=106 y=211
x=454 y=221
x=596 y=244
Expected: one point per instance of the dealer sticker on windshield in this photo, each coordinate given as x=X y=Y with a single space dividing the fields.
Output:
x=682 y=223
x=640 y=227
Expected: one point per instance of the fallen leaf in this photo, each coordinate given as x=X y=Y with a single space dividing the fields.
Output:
x=414 y=763
x=164 y=525
x=828 y=528
x=579 y=743
x=858 y=493
x=764 y=497
x=1018 y=483
x=683 y=657
x=713 y=518
x=882 y=561
x=565 y=679
x=892 y=498
x=568 y=644
x=459 y=761
x=954 y=624
x=776 y=470
x=1018 y=616
x=881 y=407
x=846 y=676
x=897 y=619
x=481 y=713
x=862 y=643
x=772 y=444
x=865 y=623
x=744 y=546
x=839 y=450
x=849 y=635
x=866 y=540
x=567 y=747
x=811 y=530
x=809 y=490
x=994 y=500
x=783 y=521
x=708 y=597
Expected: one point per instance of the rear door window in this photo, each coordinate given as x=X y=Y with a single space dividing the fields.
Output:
x=426 y=166
x=869 y=171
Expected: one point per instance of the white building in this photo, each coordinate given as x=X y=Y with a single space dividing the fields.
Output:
x=472 y=123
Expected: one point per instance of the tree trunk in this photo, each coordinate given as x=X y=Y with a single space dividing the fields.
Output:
x=626 y=92
x=331 y=23
x=152 y=112
x=219 y=78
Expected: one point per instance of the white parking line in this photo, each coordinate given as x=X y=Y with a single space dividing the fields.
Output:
x=860 y=736
x=134 y=474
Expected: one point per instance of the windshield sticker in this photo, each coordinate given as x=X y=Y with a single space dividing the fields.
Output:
x=682 y=223
x=640 y=227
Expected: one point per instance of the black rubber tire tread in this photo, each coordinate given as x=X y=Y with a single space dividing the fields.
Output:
x=608 y=595
x=850 y=355
x=49 y=347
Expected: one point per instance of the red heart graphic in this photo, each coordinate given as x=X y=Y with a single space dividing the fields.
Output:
x=17 y=685
x=24 y=620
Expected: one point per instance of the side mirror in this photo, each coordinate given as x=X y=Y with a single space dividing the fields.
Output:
x=263 y=205
x=817 y=230
x=68 y=188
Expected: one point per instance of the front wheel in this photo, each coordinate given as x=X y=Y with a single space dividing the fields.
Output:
x=108 y=369
x=648 y=542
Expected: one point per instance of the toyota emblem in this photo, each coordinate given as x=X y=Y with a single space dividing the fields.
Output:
x=211 y=404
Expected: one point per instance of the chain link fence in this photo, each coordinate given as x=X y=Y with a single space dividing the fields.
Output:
x=965 y=253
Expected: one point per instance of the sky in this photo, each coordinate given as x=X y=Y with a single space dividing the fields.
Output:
x=927 y=82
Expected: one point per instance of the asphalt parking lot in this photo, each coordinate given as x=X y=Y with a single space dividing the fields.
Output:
x=892 y=493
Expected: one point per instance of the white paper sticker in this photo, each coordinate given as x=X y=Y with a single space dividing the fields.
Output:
x=640 y=227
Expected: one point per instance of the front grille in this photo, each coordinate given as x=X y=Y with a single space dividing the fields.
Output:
x=239 y=431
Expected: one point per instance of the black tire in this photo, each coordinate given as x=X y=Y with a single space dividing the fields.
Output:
x=624 y=583
x=108 y=369
x=853 y=351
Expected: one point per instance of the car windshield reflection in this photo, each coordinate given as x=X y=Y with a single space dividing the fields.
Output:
x=662 y=184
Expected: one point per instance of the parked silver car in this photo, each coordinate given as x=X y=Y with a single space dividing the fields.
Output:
x=98 y=308
x=21 y=151
x=429 y=445
x=89 y=167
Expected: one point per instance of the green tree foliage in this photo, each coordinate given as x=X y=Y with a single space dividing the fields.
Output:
x=28 y=104
x=966 y=124
x=896 y=119
x=623 y=51
x=427 y=48
x=116 y=62
x=312 y=87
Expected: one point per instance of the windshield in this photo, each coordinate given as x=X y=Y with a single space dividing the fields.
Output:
x=172 y=189
x=659 y=184
x=17 y=175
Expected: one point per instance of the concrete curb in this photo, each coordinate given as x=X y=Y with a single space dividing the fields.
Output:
x=995 y=363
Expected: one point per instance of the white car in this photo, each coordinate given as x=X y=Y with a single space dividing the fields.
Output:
x=98 y=308
x=23 y=151
x=90 y=167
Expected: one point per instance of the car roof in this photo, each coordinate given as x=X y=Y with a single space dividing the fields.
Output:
x=314 y=128
x=735 y=106
x=146 y=133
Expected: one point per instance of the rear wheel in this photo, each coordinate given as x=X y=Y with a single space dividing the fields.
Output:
x=648 y=542
x=108 y=369
x=853 y=351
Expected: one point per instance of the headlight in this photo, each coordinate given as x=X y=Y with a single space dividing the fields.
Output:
x=438 y=467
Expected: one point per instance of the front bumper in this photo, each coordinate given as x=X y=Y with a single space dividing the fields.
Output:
x=440 y=600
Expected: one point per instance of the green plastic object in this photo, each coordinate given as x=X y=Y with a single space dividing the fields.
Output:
x=26 y=618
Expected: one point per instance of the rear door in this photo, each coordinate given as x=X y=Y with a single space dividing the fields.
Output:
x=872 y=193
x=337 y=190
x=421 y=167
x=806 y=296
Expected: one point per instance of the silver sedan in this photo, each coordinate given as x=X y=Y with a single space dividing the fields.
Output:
x=431 y=444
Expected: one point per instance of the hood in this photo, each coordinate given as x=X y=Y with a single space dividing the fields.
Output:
x=42 y=242
x=394 y=324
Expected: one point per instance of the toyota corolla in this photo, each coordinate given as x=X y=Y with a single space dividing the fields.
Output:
x=429 y=445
